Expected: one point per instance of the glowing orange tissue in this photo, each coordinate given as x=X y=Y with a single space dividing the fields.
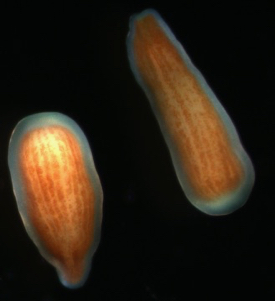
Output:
x=58 y=192
x=213 y=169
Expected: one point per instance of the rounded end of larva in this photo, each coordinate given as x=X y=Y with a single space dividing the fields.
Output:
x=230 y=202
x=222 y=206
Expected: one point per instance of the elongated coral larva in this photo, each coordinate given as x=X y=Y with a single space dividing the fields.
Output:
x=212 y=167
x=58 y=192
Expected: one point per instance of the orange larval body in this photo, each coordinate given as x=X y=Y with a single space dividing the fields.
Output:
x=212 y=167
x=58 y=192
x=60 y=196
x=195 y=128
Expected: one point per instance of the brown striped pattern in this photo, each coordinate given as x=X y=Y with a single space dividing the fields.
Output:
x=60 y=197
x=191 y=121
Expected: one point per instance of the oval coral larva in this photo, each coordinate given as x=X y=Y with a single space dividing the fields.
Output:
x=58 y=192
x=211 y=164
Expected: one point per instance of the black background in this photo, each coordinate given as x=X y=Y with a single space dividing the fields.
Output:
x=155 y=245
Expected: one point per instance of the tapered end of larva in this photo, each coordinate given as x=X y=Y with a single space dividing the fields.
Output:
x=73 y=275
x=135 y=21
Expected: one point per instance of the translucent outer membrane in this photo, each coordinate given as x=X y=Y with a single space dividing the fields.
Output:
x=213 y=169
x=58 y=192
